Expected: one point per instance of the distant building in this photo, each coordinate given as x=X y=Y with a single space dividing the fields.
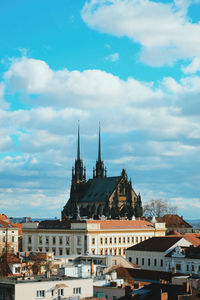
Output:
x=176 y=223
x=109 y=196
x=45 y=288
x=103 y=237
x=8 y=236
x=151 y=253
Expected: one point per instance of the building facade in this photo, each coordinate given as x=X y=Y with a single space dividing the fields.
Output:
x=8 y=237
x=102 y=237
x=109 y=196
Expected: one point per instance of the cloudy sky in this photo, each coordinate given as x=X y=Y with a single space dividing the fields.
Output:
x=134 y=65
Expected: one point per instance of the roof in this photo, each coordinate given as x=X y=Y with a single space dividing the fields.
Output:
x=188 y=252
x=193 y=238
x=4 y=217
x=12 y=258
x=122 y=224
x=158 y=244
x=5 y=224
x=174 y=221
x=54 y=224
x=97 y=189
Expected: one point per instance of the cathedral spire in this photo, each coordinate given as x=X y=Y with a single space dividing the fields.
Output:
x=99 y=151
x=100 y=172
x=79 y=172
x=78 y=146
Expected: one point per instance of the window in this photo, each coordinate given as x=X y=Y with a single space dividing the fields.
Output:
x=40 y=249
x=101 y=251
x=128 y=240
x=60 y=292
x=13 y=239
x=111 y=251
x=155 y=262
x=53 y=240
x=119 y=240
x=3 y=239
x=106 y=251
x=120 y=251
x=67 y=251
x=93 y=251
x=115 y=251
x=41 y=294
x=136 y=260
x=54 y=251
x=29 y=248
x=67 y=240
x=17 y=270
x=47 y=249
x=124 y=251
x=40 y=239
x=60 y=240
x=149 y=262
x=143 y=261
x=60 y=251
x=77 y=290
x=178 y=267
x=192 y=268
x=136 y=239
x=115 y=240
x=124 y=239
x=79 y=251
x=29 y=240
x=161 y=262
x=79 y=241
x=106 y=240
x=47 y=240
x=101 y=241
x=93 y=241
x=188 y=268
x=132 y=239
x=130 y=259
x=110 y=240
x=141 y=239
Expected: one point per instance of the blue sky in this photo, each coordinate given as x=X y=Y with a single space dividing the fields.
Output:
x=134 y=65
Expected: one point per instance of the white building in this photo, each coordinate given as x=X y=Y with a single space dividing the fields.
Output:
x=151 y=254
x=104 y=237
x=183 y=260
x=47 y=289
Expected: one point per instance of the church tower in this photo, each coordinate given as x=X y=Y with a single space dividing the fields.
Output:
x=78 y=172
x=100 y=172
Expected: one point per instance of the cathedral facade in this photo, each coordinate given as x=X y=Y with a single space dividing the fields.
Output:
x=112 y=197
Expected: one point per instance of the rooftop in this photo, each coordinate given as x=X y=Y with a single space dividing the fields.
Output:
x=158 y=244
x=174 y=221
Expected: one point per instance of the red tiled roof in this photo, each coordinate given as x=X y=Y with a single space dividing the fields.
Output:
x=157 y=244
x=4 y=217
x=4 y=224
x=121 y=224
x=12 y=258
x=193 y=238
x=174 y=221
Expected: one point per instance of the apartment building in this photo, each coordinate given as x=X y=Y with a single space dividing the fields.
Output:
x=104 y=237
x=8 y=236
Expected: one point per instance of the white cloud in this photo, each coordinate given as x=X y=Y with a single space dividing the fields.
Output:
x=193 y=67
x=162 y=29
x=113 y=57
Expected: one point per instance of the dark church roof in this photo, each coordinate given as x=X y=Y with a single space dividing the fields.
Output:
x=97 y=189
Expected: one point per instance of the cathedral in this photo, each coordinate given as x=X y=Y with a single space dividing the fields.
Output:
x=111 y=197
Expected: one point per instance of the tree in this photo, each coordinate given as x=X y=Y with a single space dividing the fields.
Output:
x=158 y=208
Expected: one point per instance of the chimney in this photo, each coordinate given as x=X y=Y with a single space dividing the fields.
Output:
x=164 y=296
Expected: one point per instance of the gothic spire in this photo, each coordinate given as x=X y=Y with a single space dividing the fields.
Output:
x=78 y=146
x=99 y=150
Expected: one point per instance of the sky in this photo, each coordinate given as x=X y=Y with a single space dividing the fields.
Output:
x=133 y=65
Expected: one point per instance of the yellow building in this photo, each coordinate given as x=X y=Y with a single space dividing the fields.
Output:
x=104 y=237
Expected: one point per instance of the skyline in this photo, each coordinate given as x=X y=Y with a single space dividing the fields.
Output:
x=133 y=65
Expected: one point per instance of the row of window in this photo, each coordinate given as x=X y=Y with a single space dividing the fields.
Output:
x=10 y=238
x=154 y=262
x=189 y=267
x=61 y=240
x=41 y=293
x=111 y=251
x=119 y=240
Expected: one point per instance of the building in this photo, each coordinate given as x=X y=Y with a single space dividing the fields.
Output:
x=151 y=253
x=8 y=236
x=176 y=223
x=45 y=288
x=102 y=237
x=109 y=196
x=184 y=260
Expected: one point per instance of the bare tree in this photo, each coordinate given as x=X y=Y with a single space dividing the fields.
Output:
x=158 y=208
